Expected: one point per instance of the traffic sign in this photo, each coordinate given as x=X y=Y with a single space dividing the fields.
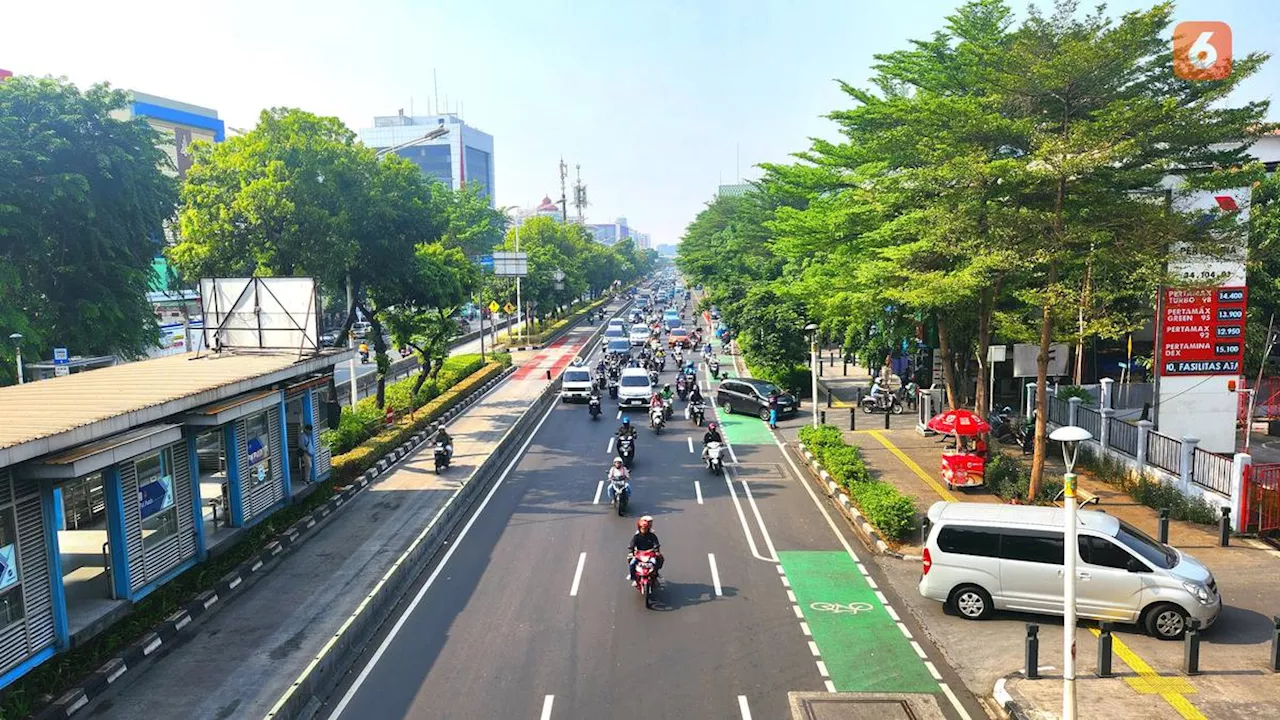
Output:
x=61 y=366
x=493 y=306
x=484 y=261
x=508 y=308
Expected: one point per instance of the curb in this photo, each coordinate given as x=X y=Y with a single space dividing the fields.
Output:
x=140 y=653
x=870 y=536
x=1005 y=699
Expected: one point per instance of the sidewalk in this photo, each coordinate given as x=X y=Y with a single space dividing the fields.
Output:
x=241 y=660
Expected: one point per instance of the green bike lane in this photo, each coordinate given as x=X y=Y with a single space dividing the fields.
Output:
x=860 y=642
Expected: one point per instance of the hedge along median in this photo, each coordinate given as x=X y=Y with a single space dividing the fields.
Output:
x=48 y=680
x=549 y=333
x=891 y=512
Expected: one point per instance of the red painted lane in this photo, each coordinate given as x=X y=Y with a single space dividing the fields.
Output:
x=559 y=356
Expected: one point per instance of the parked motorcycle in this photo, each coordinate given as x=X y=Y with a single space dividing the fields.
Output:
x=442 y=456
x=1006 y=429
x=593 y=406
x=619 y=493
x=646 y=575
x=715 y=458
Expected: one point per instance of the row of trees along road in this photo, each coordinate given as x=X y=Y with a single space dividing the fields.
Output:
x=996 y=180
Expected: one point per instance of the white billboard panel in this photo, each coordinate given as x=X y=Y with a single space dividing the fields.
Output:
x=511 y=264
x=1025 y=354
x=260 y=313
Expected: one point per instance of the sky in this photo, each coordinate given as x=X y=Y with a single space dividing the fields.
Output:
x=658 y=101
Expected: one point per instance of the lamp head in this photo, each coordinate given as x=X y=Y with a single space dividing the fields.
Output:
x=810 y=327
x=15 y=337
x=1070 y=436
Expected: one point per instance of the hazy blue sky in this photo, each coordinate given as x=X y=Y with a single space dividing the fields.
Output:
x=651 y=98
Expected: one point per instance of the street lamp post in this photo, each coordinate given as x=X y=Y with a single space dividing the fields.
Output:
x=812 y=329
x=1070 y=437
x=17 y=346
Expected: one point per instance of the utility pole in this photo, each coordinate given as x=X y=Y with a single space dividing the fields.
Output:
x=580 y=196
x=564 y=198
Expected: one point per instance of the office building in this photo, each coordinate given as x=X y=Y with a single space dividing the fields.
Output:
x=460 y=156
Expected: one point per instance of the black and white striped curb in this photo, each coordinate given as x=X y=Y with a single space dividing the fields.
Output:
x=1004 y=698
x=829 y=485
x=230 y=585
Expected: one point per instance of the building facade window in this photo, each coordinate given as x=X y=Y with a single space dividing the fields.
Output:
x=435 y=161
x=11 y=607
x=478 y=169
x=156 y=504
x=258 y=448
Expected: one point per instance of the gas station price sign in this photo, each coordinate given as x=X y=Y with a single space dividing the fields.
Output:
x=1202 y=331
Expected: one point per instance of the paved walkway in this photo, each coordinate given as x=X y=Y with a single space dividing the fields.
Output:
x=240 y=661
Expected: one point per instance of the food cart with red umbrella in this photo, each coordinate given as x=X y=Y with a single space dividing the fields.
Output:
x=961 y=466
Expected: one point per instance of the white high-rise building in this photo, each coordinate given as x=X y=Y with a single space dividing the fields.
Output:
x=463 y=155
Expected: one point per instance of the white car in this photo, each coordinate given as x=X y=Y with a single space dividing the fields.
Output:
x=617 y=324
x=639 y=335
x=576 y=384
x=634 y=389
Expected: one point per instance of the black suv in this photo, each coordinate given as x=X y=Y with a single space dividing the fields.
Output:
x=748 y=395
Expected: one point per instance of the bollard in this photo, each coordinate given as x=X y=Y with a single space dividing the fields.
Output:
x=820 y=365
x=1224 y=527
x=1032 y=670
x=828 y=397
x=886 y=419
x=846 y=366
x=1191 y=648
x=548 y=374
x=853 y=419
x=1275 y=644
x=822 y=418
x=1162 y=526
x=1104 y=651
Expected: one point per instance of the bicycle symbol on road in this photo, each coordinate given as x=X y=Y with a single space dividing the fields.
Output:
x=838 y=608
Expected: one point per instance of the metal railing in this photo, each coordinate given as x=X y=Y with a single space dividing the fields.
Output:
x=1122 y=437
x=1090 y=420
x=1164 y=452
x=1212 y=471
x=1059 y=410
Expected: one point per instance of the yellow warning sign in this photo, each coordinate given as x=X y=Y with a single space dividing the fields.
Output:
x=508 y=308
x=493 y=306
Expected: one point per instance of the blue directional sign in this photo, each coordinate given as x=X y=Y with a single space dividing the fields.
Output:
x=155 y=496
x=484 y=261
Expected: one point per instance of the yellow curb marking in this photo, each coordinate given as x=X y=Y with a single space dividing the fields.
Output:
x=1150 y=682
x=911 y=464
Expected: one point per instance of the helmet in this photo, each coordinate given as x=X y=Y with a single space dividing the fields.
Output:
x=711 y=426
x=617 y=461
x=626 y=420
x=645 y=523
x=667 y=386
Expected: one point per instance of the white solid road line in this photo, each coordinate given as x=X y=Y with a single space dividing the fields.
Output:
x=599 y=489
x=546 y=707
x=431 y=579
x=690 y=439
x=764 y=531
x=744 y=708
x=609 y=451
x=619 y=414
x=715 y=574
x=577 y=575
x=697 y=489
x=742 y=518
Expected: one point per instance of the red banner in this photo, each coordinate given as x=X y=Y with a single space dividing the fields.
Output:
x=1202 y=331
x=5 y=74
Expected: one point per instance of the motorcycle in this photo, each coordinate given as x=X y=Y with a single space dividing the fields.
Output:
x=646 y=573
x=714 y=367
x=593 y=406
x=715 y=455
x=613 y=388
x=441 y=456
x=364 y=356
x=682 y=390
x=1004 y=429
x=657 y=419
x=619 y=493
x=696 y=413
x=653 y=377
x=888 y=402
x=627 y=450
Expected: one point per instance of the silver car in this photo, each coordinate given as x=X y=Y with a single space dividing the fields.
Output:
x=983 y=557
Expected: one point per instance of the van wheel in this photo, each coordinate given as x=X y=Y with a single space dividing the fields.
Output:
x=972 y=602
x=764 y=414
x=1166 y=621
x=727 y=407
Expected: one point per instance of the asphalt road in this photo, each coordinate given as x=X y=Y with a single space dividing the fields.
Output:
x=529 y=613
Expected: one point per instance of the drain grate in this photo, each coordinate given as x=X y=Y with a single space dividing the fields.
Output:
x=864 y=706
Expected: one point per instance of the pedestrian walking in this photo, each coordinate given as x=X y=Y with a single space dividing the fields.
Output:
x=773 y=410
x=307 y=449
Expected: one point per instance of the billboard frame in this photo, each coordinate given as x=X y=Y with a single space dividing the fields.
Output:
x=260 y=314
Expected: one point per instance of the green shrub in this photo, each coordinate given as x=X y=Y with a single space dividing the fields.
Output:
x=887 y=508
x=1008 y=477
x=817 y=439
x=1067 y=392
x=1149 y=491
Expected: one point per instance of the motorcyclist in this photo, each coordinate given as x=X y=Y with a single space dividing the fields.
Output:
x=619 y=470
x=711 y=435
x=643 y=540
x=627 y=429
x=443 y=437
x=878 y=394
x=695 y=395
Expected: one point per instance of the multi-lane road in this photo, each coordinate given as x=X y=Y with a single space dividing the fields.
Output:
x=342 y=372
x=529 y=614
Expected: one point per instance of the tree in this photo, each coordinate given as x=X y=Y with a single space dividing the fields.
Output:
x=84 y=199
x=470 y=224
x=421 y=317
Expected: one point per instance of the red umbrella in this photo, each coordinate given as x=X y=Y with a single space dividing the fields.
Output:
x=959 y=422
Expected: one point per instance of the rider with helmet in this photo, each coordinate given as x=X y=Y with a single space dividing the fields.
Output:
x=627 y=430
x=619 y=470
x=643 y=540
x=711 y=435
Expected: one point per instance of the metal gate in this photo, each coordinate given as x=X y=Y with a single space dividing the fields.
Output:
x=1262 y=497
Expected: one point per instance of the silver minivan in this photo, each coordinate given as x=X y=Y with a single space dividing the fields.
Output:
x=983 y=557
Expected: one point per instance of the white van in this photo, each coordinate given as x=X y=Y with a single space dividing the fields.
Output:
x=576 y=383
x=634 y=389
x=982 y=557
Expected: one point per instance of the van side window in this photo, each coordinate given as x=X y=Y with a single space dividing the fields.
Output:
x=1103 y=553
x=1032 y=546
x=962 y=540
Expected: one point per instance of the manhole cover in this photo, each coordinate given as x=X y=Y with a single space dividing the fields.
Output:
x=864 y=706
